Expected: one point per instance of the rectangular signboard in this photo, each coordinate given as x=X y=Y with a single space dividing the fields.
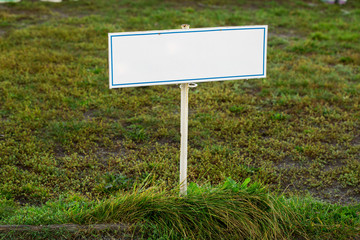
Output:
x=185 y=56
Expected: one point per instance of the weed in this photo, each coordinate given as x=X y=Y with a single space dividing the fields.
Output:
x=114 y=182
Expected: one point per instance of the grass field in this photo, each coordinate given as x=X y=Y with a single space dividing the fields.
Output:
x=63 y=133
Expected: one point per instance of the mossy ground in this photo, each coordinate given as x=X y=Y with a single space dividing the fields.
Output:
x=63 y=132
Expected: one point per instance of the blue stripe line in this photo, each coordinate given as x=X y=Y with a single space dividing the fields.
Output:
x=112 y=63
x=181 y=80
x=264 y=54
x=190 y=79
x=187 y=31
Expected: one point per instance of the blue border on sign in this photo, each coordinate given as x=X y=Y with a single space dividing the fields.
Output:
x=182 y=80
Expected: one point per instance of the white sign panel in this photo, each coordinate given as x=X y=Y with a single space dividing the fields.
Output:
x=184 y=56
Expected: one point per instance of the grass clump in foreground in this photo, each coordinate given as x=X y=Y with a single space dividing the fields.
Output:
x=227 y=211
x=231 y=210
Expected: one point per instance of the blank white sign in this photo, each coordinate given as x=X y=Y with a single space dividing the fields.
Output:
x=184 y=56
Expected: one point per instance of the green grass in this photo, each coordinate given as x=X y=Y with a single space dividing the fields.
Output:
x=64 y=133
x=227 y=211
x=62 y=130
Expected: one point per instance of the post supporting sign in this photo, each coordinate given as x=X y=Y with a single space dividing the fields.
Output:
x=184 y=117
x=186 y=56
x=184 y=136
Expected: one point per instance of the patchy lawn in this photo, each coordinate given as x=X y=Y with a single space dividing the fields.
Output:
x=63 y=132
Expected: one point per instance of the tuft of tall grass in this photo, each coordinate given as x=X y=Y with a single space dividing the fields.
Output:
x=229 y=211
